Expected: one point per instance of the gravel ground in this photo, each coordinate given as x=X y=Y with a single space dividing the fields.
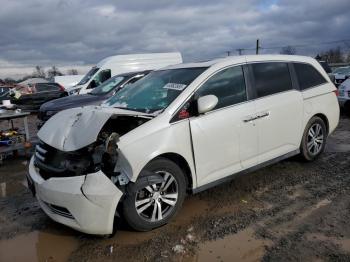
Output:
x=290 y=211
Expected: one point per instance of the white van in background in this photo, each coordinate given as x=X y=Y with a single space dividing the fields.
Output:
x=119 y=64
x=68 y=81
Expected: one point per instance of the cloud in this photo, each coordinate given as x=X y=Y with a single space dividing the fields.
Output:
x=67 y=32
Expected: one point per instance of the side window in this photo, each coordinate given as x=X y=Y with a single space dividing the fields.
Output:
x=271 y=78
x=102 y=76
x=46 y=87
x=308 y=76
x=228 y=85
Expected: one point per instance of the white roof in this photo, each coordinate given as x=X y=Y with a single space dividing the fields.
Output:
x=138 y=58
x=248 y=58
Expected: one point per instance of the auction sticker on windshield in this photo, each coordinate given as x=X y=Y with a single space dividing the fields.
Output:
x=175 y=86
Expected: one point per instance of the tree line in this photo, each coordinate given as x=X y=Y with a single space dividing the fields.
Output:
x=332 y=55
x=40 y=72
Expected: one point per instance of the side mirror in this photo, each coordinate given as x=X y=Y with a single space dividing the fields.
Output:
x=206 y=103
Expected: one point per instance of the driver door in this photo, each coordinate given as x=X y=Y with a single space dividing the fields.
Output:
x=225 y=140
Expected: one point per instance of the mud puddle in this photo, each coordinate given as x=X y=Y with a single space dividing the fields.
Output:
x=8 y=189
x=38 y=246
x=243 y=246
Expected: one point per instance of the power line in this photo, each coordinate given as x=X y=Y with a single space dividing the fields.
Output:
x=344 y=41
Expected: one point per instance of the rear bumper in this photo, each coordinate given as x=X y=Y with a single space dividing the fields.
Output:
x=85 y=203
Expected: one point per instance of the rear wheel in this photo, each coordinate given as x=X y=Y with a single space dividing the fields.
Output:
x=156 y=196
x=314 y=139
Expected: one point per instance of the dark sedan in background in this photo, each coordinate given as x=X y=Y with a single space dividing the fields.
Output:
x=95 y=97
x=30 y=98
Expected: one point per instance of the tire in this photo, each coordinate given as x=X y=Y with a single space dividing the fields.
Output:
x=159 y=174
x=314 y=139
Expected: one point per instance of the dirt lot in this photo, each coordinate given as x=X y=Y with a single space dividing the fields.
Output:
x=290 y=211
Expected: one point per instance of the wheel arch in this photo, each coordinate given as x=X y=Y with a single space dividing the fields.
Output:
x=183 y=164
x=324 y=119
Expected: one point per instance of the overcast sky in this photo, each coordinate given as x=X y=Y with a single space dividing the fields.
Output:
x=79 y=33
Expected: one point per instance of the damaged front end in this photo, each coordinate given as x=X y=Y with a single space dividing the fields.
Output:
x=78 y=167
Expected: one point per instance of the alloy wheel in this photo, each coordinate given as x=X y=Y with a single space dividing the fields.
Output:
x=315 y=139
x=155 y=202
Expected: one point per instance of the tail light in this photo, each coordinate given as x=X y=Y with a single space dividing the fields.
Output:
x=336 y=92
x=61 y=87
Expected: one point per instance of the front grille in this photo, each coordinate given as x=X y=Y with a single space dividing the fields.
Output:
x=62 y=211
x=52 y=162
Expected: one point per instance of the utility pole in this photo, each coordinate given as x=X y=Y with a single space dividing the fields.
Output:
x=257 y=46
x=239 y=50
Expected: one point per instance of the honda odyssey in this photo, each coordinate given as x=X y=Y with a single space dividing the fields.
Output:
x=181 y=129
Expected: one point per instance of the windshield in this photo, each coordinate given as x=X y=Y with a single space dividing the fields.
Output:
x=156 y=91
x=342 y=70
x=88 y=76
x=107 y=86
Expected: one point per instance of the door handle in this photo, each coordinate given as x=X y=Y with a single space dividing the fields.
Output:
x=249 y=119
x=262 y=115
x=252 y=118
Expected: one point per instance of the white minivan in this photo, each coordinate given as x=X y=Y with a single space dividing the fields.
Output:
x=181 y=129
x=119 y=64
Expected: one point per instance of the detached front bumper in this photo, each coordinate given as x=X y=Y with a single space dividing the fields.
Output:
x=85 y=203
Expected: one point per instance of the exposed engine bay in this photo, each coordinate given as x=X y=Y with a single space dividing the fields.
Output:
x=100 y=155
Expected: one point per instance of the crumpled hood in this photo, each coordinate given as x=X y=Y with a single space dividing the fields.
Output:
x=75 y=128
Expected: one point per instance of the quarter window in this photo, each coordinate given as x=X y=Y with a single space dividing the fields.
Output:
x=271 y=78
x=228 y=86
x=308 y=76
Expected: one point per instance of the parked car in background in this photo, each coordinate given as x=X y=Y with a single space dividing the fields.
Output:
x=328 y=70
x=4 y=91
x=95 y=97
x=68 y=81
x=30 y=98
x=184 y=128
x=119 y=64
x=341 y=74
x=344 y=96
x=32 y=81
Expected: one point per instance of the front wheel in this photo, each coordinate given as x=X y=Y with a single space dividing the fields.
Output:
x=156 y=196
x=314 y=139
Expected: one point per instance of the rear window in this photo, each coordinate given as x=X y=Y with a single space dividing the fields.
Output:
x=271 y=78
x=308 y=76
x=46 y=87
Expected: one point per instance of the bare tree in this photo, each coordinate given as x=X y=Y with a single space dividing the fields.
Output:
x=288 y=50
x=9 y=80
x=72 y=71
x=333 y=55
x=53 y=71
x=39 y=72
